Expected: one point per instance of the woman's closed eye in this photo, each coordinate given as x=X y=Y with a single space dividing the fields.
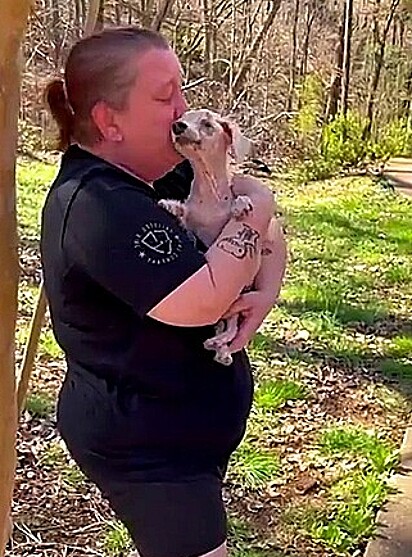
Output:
x=167 y=99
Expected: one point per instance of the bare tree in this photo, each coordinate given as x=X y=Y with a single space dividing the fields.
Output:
x=162 y=13
x=380 y=38
x=251 y=53
x=293 y=57
x=347 y=54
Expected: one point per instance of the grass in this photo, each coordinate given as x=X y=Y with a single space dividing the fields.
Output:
x=33 y=181
x=336 y=352
x=55 y=457
x=252 y=467
x=362 y=463
x=272 y=394
x=116 y=540
x=40 y=405
x=379 y=456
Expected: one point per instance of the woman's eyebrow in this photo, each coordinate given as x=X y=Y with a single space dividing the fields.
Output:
x=164 y=86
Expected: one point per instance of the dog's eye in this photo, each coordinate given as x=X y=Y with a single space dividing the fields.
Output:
x=206 y=124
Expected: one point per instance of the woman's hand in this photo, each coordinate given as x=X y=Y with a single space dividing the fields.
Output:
x=252 y=308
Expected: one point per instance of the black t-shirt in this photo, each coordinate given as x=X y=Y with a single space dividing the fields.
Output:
x=110 y=253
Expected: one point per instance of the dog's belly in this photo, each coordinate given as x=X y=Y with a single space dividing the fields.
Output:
x=206 y=221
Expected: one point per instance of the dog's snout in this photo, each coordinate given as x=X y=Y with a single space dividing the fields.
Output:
x=179 y=127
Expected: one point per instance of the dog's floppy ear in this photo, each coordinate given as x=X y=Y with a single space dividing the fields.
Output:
x=240 y=145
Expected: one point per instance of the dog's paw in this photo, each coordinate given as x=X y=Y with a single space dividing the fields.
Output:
x=211 y=344
x=223 y=356
x=241 y=206
x=176 y=208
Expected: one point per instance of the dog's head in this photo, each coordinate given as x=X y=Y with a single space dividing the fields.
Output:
x=203 y=131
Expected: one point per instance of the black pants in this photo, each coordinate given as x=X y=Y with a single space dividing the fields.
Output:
x=179 y=513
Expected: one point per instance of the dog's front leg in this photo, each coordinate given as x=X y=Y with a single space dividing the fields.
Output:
x=176 y=208
x=241 y=206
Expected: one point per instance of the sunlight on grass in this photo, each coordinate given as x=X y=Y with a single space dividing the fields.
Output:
x=48 y=347
x=28 y=294
x=251 y=467
x=272 y=394
x=400 y=347
x=347 y=517
x=355 y=441
x=116 y=541
x=40 y=405
x=33 y=182
x=53 y=455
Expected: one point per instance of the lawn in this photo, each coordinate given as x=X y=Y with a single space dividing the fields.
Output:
x=333 y=374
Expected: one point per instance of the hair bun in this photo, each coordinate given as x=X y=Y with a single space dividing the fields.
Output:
x=61 y=110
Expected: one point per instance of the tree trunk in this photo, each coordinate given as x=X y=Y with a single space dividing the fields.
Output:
x=208 y=34
x=292 y=69
x=335 y=87
x=161 y=15
x=347 y=55
x=56 y=33
x=91 y=23
x=310 y=18
x=380 y=47
x=260 y=37
x=13 y=15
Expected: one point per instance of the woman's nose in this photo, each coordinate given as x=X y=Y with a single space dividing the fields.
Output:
x=181 y=106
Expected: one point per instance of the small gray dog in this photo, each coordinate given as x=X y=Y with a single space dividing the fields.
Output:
x=209 y=141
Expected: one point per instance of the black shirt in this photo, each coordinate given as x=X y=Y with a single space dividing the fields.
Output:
x=109 y=255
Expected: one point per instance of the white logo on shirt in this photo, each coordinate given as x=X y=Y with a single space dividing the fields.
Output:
x=157 y=243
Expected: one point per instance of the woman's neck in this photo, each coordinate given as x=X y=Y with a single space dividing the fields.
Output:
x=99 y=153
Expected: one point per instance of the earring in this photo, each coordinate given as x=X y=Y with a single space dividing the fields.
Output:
x=115 y=135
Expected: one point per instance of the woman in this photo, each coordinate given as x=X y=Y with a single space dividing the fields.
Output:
x=144 y=410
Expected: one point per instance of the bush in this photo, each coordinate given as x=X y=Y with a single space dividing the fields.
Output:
x=395 y=139
x=342 y=144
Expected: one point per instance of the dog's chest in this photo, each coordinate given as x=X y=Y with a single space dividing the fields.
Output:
x=207 y=217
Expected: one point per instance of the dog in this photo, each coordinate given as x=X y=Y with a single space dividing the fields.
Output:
x=210 y=142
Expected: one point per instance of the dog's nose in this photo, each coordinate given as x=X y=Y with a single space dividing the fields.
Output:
x=179 y=127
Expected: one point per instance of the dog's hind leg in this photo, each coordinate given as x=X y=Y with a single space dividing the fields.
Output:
x=226 y=331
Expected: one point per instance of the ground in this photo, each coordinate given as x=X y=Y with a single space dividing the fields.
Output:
x=333 y=388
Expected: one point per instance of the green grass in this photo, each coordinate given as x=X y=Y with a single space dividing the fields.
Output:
x=358 y=443
x=40 y=405
x=116 y=540
x=252 y=467
x=272 y=394
x=55 y=457
x=33 y=182
x=47 y=349
x=349 y=518
x=345 y=307
x=363 y=462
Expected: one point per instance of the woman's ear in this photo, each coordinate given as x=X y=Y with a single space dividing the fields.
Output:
x=105 y=121
x=240 y=146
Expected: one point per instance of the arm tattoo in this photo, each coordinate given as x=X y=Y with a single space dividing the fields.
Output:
x=242 y=244
x=266 y=251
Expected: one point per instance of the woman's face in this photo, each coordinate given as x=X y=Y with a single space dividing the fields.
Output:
x=155 y=101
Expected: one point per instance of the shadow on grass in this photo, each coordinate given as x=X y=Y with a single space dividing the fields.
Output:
x=337 y=343
x=396 y=233
x=358 y=317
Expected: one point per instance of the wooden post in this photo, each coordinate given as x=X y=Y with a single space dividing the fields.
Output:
x=13 y=17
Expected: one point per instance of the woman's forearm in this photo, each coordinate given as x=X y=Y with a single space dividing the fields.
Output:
x=274 y=256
